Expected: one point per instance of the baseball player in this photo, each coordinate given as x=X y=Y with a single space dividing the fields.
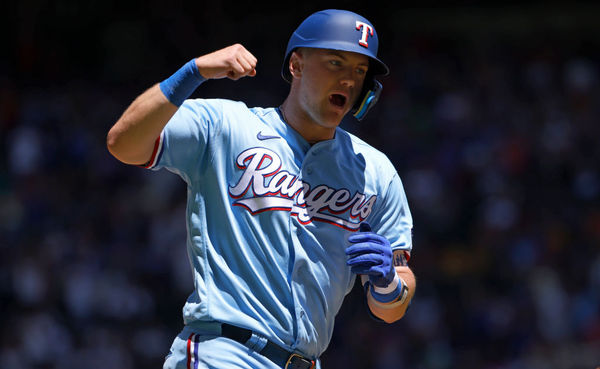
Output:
x=284 y=208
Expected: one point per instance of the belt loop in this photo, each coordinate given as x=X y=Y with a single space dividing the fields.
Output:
x=256 y=342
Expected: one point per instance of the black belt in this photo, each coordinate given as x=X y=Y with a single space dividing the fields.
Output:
x=273 y=352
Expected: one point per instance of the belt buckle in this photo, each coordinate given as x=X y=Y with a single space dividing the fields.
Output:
x=296 y=361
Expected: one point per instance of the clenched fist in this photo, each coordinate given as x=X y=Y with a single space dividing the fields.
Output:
x=233 y=62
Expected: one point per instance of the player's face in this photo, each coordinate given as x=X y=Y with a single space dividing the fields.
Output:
x=331 y=82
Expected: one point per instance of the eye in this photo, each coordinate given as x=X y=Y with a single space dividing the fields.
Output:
x=335 y=62
x=361 y=71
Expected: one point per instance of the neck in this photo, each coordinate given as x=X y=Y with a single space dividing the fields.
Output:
x=304 y=124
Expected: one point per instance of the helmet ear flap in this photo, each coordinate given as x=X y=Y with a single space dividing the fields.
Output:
x=368 y=97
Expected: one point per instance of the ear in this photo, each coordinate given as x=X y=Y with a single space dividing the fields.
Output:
x=296 y=64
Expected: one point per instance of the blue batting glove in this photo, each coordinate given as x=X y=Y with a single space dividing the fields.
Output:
x=371 y=254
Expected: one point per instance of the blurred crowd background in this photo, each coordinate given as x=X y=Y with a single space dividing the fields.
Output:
x=491 y=116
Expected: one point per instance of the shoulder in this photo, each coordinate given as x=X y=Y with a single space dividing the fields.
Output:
x=214 y=105
x=226 y=108
x=264 y=112
x=375 y=165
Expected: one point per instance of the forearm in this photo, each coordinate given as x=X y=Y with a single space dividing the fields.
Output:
x=131 y=139
x=393 y=311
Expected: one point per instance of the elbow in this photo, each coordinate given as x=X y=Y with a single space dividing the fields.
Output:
x=112 y=143
x=392 y=318
x=387 y=313
x=120 y=145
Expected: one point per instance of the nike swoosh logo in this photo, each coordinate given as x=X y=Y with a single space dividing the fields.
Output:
x=262 y=137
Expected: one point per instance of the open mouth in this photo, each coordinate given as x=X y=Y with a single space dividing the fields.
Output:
x=337 y=100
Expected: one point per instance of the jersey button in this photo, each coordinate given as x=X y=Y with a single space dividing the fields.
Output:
x=309 y=170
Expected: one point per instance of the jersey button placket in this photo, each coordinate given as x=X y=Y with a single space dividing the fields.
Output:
x=307 y=161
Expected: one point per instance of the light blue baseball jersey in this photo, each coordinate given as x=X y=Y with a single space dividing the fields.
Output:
x=268 y=216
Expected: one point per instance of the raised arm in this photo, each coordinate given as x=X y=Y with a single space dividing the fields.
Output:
x=131 y=139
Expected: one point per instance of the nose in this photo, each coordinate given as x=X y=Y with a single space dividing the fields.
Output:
x=348 y=82
x=348 y=78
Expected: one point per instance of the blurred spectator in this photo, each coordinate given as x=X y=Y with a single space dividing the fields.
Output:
x=493 y=129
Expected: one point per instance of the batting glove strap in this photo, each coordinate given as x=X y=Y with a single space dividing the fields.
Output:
x=397 y=291
x=182 y=83
x=391 y=288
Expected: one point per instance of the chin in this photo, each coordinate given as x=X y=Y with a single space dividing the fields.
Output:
x=332 y=119
x=326 y=117
x=334 y=116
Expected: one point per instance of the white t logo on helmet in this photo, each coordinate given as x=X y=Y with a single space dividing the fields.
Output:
x=366 y=31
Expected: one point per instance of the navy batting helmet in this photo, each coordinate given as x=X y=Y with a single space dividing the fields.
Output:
x=346 y=31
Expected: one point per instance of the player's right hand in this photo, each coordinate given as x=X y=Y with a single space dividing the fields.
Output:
x=233 y=62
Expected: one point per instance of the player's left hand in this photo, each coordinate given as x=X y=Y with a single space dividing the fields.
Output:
x=371 y=254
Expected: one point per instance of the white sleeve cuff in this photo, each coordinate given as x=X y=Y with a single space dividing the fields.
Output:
x=390 y=288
